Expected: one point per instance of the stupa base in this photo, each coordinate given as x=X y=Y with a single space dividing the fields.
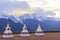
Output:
x=39 y=34
x=24 y=35
x=7 y=36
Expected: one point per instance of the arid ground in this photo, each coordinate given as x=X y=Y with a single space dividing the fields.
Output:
x=47 y=36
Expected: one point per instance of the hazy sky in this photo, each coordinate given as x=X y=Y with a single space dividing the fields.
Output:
x=46 y=4
x=53 y=5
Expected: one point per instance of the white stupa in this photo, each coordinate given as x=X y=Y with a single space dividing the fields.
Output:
x=7 y=32
x=24 y=32
x=39 y=31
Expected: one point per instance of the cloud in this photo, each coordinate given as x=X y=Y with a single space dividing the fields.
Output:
x=14 y=5
x=41 y=12
x=4 y=15
x=50 y=13
x=38 y=11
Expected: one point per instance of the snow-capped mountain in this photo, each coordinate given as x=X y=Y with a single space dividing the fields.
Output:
x=15 y=19
x=33 y=17
x=14 y=22
x=40 y=15
x=4 y=15
x=9 y=16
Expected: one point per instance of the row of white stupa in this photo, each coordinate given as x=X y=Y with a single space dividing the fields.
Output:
x=24 y=33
